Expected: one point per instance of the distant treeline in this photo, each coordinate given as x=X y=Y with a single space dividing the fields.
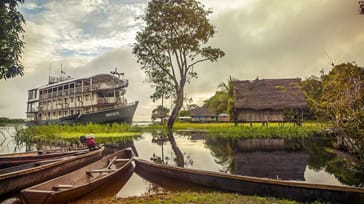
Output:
x=4 y=120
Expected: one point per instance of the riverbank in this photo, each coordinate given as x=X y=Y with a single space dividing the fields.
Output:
x=122 y=132
x=245 y=130
x=190 y=197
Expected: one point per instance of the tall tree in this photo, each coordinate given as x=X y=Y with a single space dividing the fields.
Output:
x=172 y=43
x=339 y=97
x=11 y=43
x=223 y=100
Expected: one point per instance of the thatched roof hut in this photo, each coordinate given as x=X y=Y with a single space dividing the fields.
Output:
x=203 y=115
x=266 y=99
x=202 y=112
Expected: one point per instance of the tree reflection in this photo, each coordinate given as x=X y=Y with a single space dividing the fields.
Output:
x=179 y=156
x=161 y=138
x=222 y=149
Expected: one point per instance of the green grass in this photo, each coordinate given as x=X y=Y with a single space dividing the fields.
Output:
x=192 y=197
x=121 y=132
x=244 y=130
x=71 y=133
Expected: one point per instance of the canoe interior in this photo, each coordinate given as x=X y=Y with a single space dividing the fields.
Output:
x=20 y=154
x=16 y=180
x=9 y=160
x=80 y=177
x=38 y=153
x=27 y=166
x=252 y=185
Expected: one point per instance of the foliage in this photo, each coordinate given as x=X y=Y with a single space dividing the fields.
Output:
x=230 y=130
x=346 y=172
x=171 y=44
x=338 y=97
x=160 y=112
x=11 y=43
x=4 y=120
x=50 y=133
x=312 y=89
x=223 y=100
x=317 y=149
x=187 y=109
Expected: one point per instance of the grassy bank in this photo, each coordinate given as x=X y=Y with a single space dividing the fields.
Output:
x=191 y=197
x=244 y=130
x=71 y=133
x=122 y=132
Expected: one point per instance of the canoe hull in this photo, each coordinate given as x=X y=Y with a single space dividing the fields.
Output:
x=15 y=181
x=253 y=186
x=37 y=196
x=23 y=158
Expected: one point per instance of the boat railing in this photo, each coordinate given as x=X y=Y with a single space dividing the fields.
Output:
x=86 y=88
x=106 y=100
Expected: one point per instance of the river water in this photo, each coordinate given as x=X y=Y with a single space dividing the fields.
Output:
x=302 y=159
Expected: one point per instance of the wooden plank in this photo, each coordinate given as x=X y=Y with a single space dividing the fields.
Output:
x=110 y=163
x=100 y=171
x=60 y=186
x=122 y=160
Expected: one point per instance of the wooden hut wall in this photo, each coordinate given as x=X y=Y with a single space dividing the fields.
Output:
x=259 y=115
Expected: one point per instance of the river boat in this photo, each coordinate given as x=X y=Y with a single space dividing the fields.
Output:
x=96 y=99
x=19 y=177
x=300 y=191
x=8 y=160
x=78 y=183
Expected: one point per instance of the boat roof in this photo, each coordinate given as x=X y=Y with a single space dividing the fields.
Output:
x=99 y=77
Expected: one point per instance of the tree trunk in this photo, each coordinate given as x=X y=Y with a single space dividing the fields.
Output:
x=176 y=109
x=179 y=156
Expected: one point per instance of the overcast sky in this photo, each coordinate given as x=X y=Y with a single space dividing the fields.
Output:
x=265 y=39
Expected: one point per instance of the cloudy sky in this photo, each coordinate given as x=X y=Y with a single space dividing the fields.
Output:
x=265 y=39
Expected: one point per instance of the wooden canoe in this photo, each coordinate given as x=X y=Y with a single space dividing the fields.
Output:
x=18 y=178
x=252 y=185
x=8 y=160
x=78 y=183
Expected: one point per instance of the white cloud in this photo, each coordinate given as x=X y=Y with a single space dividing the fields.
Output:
x=269 y=39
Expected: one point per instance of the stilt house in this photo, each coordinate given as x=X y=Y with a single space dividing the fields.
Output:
x=267 y=100
x=203 y=115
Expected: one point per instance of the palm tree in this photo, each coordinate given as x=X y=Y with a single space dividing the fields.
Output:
x=228 y=89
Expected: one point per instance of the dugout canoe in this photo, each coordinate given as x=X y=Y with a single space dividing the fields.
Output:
x=16 y=178
x=300 y=191
x=9 y=160
x=78 y=183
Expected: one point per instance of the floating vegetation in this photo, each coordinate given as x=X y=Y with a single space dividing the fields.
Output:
x=244 y=130
x=71 y=133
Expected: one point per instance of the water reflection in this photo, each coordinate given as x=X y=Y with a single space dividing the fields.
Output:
x=8 y=142
x=268 y=158
x=302 y=159
x=299 y=159
x=179 y=158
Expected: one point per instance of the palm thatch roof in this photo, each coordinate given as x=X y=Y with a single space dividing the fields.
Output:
x=273 y=94
x=202 y=112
